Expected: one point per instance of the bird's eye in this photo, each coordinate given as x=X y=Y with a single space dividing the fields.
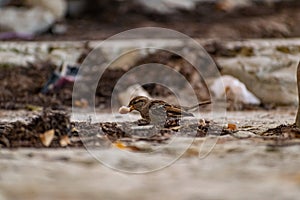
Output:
x=138 y=101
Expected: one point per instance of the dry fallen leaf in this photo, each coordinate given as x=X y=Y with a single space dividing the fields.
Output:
x=122 y=146
x=64 y=141
x=232 y=127
x=119 y=145
x=47 y=137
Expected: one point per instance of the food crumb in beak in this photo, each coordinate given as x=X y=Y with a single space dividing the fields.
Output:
x=124 y=110
x=131 y=108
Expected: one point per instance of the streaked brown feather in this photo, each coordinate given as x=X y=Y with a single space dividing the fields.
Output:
x=160 y=108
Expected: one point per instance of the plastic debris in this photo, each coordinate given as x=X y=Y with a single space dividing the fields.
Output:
x=59 y=78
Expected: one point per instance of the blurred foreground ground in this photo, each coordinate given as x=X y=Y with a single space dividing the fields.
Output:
x=228 y=19
x=235 y=169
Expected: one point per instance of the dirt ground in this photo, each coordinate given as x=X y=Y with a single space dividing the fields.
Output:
x=256 y=154
x=237 y=168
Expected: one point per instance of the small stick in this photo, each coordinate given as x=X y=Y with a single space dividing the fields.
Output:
x=298 y=86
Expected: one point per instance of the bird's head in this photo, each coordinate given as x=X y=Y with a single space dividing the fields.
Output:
x=137 y=103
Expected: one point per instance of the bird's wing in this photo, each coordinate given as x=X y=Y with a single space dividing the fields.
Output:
x=176 y=111
x=157 y=108
x=162 y=108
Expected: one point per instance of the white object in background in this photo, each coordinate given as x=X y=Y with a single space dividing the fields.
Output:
x=234 y=89
x=168 y=6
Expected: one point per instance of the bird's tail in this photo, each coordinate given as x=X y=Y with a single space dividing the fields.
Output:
x=198 y=105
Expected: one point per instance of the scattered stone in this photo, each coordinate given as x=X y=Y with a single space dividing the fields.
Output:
x=22 y=21
x=167 y=6
x=58 y=8
x=33 y=20
x=271 y=78
x=243 y=134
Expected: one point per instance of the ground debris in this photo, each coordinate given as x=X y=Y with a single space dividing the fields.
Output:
x=113 y=131
x=51 y=128
x=44 y=130
x=64 y=141
x=130 y=131
x=131 y=146
x=289 y=131
x=47 y=137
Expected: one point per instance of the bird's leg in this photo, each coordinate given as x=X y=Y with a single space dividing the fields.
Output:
x=143 y=122
x=172 y=122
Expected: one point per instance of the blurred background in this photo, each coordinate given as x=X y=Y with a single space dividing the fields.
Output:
x=99 y=19
x=226 y=29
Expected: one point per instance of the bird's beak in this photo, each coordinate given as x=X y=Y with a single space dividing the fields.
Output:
x=131 y=108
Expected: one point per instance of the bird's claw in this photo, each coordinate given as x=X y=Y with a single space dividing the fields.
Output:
x=143 y=122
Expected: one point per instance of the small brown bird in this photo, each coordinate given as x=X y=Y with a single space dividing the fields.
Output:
x=157 y=111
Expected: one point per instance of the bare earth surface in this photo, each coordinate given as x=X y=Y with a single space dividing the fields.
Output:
x=245 y=165
x=235 y=169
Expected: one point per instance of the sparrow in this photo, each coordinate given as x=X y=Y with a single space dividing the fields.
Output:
x=157 y=111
